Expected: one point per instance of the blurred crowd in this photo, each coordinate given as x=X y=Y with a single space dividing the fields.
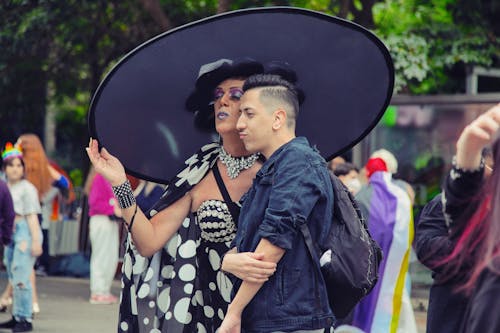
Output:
x=454 y=235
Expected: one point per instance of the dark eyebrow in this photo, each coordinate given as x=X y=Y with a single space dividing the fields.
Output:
x=246 y=108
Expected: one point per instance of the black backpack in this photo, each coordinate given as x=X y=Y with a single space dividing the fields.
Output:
x=355 y=256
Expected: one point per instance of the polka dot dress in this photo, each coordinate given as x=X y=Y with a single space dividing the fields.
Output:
x=181 y=287
x=212 y=287
x=188 y=293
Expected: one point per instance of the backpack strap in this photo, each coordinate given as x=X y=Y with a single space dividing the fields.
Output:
x=233 y=207
x=304 y=229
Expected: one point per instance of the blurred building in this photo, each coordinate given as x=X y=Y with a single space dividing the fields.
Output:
x=421 y=131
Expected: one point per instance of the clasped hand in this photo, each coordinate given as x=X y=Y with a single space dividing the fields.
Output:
x=248 y=266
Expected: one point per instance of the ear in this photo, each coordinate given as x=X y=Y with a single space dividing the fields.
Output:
x=279 y=119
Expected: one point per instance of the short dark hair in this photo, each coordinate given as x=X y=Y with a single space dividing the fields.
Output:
x=10 y=161
x=343 y=169
x=274 y=87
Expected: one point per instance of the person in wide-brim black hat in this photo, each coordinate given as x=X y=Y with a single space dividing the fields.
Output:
x=200 y=101
x=199 y=207
x=345 y=71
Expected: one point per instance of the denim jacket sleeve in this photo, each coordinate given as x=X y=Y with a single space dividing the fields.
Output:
x=294 y=193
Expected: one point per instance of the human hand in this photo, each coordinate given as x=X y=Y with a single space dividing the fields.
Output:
x=106 y=164
x=36 y=249
x=53 y=172
x=231 y=323
x=117 y=211
x=248 y=266
x=475 y=136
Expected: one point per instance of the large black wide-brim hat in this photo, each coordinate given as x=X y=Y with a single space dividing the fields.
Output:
x=139 y=111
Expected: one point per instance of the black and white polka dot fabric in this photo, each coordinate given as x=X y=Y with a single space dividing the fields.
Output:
x=181 y=287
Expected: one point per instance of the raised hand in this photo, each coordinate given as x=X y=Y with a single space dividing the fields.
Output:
x=478 y=134
x=106 y=164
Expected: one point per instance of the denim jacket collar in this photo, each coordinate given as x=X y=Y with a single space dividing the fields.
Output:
x=270 y=161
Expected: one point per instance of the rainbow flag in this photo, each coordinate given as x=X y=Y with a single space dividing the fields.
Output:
x=387 y=210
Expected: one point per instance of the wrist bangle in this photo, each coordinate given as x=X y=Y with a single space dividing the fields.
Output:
x=461 y=170
x=129 y=226
x=124 y=195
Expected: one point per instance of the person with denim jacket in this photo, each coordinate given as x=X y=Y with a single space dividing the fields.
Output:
x=292 y=187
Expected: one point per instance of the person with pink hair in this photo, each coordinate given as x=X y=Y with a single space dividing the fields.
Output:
x=472 y=214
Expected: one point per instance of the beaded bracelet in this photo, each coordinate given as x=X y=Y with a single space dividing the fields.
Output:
x=467 y=171
x=124 y=195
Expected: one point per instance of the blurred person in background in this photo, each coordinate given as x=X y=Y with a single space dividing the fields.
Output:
x=332 y=164
x=348 y=173
x=48 y=181
x=147 y=193
x=7 y=216
x=433 y=243
x=104 y=238
x=387 y=209
x=26 y=245
x=471 y=197
x=392 y=167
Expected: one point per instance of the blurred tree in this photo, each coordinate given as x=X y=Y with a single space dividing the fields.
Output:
x=153 y=7
x=433 y=41
x=23 y=40
x=55 y=53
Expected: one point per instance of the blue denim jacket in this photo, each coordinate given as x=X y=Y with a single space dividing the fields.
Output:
x=292 y=187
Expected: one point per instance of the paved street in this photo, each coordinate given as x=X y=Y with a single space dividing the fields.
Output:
x=65 y=307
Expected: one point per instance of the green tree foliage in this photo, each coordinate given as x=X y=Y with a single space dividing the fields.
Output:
x=23 y=34
x=432 y=41
x=55 y=53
